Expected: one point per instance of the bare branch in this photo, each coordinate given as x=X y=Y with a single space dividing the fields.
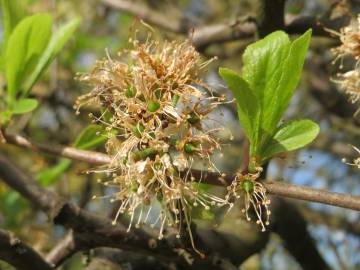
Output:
x=39 y=197
x=203 y=36
x=67 y=152
x=219 y=33
x=20 y=255
x=275 y=188
x=147 y=14
x=90 y=230
x=313 y=195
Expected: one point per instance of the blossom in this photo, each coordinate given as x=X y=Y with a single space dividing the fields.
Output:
x=350 y=46
x=248 y=187
x=350 y=40
x=350 y=83
x=153 y=106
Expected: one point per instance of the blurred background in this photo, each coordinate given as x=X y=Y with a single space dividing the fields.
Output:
x=332 y=236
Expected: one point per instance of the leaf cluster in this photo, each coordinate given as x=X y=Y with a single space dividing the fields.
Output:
x=270 y=74
x=29 y=45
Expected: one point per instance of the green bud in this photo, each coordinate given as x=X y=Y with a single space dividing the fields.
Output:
x=189 y=148
x=143 y=154
x=248 y=186
x=193 y=119
x=173 y=141
x=153 y=106
x=138 y=130
x=134 y=186
x=130 y=92
x=175 y=100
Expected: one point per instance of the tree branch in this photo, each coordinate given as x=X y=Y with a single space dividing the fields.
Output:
x=147 y=14
x=203 y=36
x=90 y=230
x=275 y=188
x=20 y=255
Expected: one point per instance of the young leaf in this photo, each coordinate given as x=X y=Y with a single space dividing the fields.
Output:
x=24 y=105
x=57 y=42
x=291 y=136
x=272 y=68
x=247 y=104
x=12 y=12
x=90 y=137
x=26 y=44
x=291 y=71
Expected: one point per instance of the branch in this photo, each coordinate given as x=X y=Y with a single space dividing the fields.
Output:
x=276 y=188
x=270 y=16
x=206 y=35
x=20 y=255
x=39 y=197
x=147 y=14
x=313 y=195
x=57 y=150
x=91 y=231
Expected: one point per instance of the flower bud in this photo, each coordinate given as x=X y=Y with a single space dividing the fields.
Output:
x=247 y=186
x=130 y=92
x=189 y=148
x=193 y=119
x=153 y=106
x=143 y=154
x=175 y=99
x=138 y=130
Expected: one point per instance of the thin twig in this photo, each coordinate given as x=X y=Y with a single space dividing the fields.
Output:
x=203 y=36
x=90 y=230
x=275 y=188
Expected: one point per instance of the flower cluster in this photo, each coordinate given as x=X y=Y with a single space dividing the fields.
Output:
x=154 y=107
x=253 y=193
x=350 y=80
x=350 y=46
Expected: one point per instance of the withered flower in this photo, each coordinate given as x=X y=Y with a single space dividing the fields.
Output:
x=153 y=106
x=248 y=187
x=350 y=46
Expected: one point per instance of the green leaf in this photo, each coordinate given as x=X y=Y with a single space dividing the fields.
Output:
x=87 y=139
x=57 y=42
x=291 y=136
x=25 y=47
x=291 y=72
x=49 y=175
x=24 y=105
x=272 y=68
x=247 y=103
x=91 y=136
x=12 y=12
